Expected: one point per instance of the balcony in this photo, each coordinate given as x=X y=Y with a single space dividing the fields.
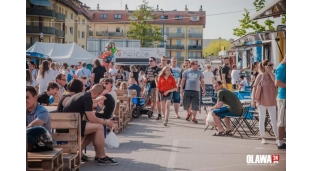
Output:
x=60 y=17
x=38 y=30
x=116 y=34
x=90 y=33
x=40 y=12
x=195 y=35
x=194 y=47
x=60 y=33
x=175 y=35
x=102 y=33
x=177 y=47
x=161 y=46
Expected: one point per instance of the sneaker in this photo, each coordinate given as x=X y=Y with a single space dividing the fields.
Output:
x=188 y=116
x=158 y=117
x=263 y=141
x=165 y=123
x=194 y=120
x=106 y=161
x=97 y=158
x=84 y=158
x=282 y=146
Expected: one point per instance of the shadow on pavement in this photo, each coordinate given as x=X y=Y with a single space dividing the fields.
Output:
x=125 y=165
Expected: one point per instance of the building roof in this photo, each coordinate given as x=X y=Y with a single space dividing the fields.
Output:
x=276 y=8
x=74 y=7
x=186 y=17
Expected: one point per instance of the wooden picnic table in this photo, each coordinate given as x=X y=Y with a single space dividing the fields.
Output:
x=50 y=108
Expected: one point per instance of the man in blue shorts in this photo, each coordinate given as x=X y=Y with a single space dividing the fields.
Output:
x=233 y=107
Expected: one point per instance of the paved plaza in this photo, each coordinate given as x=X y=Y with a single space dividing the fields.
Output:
x=147 y=145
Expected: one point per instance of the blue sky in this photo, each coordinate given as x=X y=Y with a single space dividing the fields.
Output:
x=216 y=26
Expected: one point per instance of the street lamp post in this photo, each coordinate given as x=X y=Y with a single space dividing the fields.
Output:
x=163 y=27
x=41 y=37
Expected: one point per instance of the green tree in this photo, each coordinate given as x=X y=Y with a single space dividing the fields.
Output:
x=247 y=24
x=141 y=28
x=284 y=18
x=259 y=4
x=216 y=46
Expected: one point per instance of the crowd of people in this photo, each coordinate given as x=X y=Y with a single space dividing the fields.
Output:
x=91 y=93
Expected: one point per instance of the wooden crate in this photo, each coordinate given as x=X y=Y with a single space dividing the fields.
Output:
x=46 y=160
x=121 y=92
x=71 y=149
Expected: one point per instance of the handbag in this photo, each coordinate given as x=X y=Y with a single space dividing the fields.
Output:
x=209 y=119
x=259 y=88
x=111 y=140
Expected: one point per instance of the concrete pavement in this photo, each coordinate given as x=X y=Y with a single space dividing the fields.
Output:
x=147 y=145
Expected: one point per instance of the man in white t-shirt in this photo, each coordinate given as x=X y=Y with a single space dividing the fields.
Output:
x=112 y=71
x=243 y=83
x=208 y=75
x=235 y=76
x=176 y=95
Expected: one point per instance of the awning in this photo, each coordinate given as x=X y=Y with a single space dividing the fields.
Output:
x=45 y=3
x=276 y=8
x=36 y=55
x=132 y=61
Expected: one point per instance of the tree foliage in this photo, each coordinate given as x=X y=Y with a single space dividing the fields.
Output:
x=284 y=18
x=247 y=24
x=216 y=46
x=141 y=29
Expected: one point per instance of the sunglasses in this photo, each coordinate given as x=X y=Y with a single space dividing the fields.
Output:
x=270 y=65
x=150 y=61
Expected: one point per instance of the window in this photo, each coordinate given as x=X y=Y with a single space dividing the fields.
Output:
x=32 y=40
x=194 y=18
x=71 y=16
x=78 y=21
x=117 y=29
x=178 y=17
x=178 y=54
x=71 y=30
x=78 y=34
x=164 y=17
x=103 y=16
x=191 y=42
x=32 y=22
x=178 y=42
x=117 y=16
x=83 y=21
x=191 y=55
x=65 y=29
x=167 y=31
x=167 y=53
x=82 y=34
x=133 y=18
x=179 y=30
x=65 y=14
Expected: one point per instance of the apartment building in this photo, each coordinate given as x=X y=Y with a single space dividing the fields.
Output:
x=56 y=21
x=183 y=28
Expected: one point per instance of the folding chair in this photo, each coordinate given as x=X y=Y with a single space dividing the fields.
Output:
x=237 y=122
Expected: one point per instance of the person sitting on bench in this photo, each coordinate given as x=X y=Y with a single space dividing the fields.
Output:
x=92 y=126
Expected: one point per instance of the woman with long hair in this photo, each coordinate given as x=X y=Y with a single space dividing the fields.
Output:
x=267 y=100
x=165 y=86
x=254 y=72
x=134 y=73
x=30 y=81
x=44 y=76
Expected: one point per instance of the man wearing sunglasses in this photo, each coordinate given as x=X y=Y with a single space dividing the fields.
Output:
x=150 y=78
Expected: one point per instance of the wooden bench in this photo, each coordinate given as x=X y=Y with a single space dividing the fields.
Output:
x=45 y=160
x=71 y=149
x=119 y=115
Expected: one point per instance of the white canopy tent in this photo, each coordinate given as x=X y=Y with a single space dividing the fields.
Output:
x=71 y=53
